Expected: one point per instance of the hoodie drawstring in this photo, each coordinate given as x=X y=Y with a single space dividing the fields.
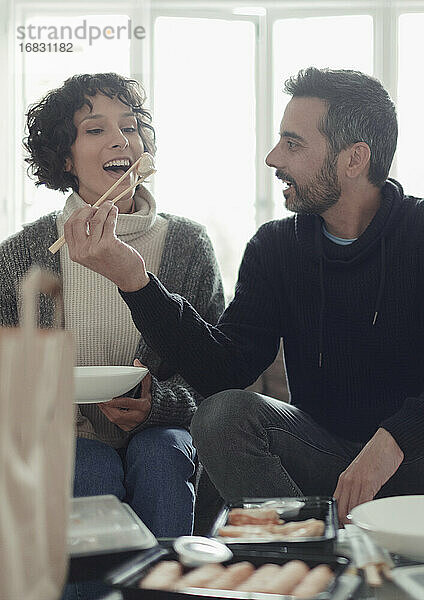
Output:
x=322 y=291
x=322 y=309
x=382 y=279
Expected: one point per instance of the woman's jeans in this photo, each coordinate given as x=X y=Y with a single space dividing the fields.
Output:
x=253 y=445
x=153 y=475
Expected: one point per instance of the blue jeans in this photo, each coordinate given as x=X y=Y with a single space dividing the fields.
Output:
x=253 y=445
x=152 y=475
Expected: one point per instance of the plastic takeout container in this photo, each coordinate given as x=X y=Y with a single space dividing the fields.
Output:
x=128 y=576
x=322 y=508
x=103 y=525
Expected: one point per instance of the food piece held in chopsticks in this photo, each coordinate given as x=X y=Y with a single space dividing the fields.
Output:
x=144 y=166
x=316 y=581
x=253 y=516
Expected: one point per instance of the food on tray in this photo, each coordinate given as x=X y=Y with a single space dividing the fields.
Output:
x=315 y=582
x=253 y=516
x=233 y=576
x=162 y=576
x=201 y=577
x=294 y=529
x=308 y=528
x=259 y=580
x=244 y=531
x=289 y=576
x=294 y=578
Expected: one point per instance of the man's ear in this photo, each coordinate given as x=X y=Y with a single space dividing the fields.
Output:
x=68 y=164
x=359 y=159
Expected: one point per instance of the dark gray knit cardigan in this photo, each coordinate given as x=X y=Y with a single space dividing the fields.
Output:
x=188 y=268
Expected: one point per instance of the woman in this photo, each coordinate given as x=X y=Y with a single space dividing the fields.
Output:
x=83 y=136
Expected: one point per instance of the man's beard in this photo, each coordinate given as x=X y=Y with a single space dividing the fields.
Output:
x=319 y=194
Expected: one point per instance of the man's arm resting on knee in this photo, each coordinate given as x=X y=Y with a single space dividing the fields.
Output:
x=399 y=435
x=378 y=460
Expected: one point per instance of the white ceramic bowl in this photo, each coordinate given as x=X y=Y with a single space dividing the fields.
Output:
x=396 y=524
x=101 y=384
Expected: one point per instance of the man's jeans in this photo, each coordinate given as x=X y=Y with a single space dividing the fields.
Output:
x=152 y=475
x=253 y=445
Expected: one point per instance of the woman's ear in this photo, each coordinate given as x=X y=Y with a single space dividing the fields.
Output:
x=68 y=164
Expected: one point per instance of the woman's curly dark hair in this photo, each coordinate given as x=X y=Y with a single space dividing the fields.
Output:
x=51 y=130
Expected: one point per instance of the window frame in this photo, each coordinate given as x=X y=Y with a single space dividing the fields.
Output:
x=385 y=15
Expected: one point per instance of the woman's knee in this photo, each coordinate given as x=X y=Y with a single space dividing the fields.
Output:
x=98 y=469
x=161 y=445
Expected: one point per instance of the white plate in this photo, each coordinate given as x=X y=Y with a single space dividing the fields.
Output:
x=101 y=384
x=396 y=524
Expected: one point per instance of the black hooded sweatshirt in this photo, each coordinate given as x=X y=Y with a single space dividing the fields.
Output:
x=351 y=319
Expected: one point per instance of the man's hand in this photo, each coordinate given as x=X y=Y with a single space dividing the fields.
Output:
x=90 y=235
x=136 y=410
x=378 y=460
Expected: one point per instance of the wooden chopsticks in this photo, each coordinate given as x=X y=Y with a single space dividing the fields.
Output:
x=61 y=241
x=374 y=561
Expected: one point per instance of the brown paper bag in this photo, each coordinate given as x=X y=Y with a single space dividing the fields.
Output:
x=36 y=449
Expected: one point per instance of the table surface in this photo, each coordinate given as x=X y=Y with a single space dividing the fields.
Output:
x=388 y=591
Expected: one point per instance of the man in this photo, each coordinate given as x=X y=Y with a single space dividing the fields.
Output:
x=341 y=282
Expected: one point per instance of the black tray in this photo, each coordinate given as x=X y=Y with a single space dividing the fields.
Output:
x=323 y=508
x=127 y=577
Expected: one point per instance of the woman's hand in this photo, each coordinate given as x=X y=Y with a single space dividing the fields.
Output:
x=90 y=235
x=127 y=413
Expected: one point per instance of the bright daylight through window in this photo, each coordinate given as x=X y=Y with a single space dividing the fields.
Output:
x=215 y=80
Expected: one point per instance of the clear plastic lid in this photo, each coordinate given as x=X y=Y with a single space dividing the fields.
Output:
x=102 y=524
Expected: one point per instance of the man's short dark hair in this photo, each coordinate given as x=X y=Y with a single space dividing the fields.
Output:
x=51 y=130
x=359 y=110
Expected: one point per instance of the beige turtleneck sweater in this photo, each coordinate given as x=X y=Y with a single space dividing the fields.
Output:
x=94 y=311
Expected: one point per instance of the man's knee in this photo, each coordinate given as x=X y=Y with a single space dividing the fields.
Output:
x=222 y=413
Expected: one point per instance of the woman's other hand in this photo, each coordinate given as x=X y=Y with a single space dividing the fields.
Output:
x=127 y=413
x=90 y=235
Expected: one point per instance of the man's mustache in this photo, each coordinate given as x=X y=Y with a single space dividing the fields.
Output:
x=282 y=175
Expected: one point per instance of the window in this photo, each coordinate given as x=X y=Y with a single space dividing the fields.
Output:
x=409 y=104
x=322 y=42
x=204 y=115
x=218 y=98
x=214 y=73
